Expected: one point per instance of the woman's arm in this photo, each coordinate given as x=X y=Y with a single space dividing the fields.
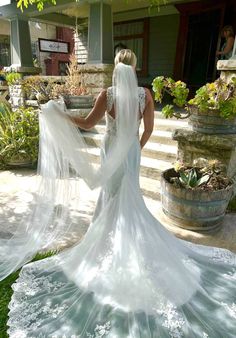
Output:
x=228 y=47
x=148 y=119
x=95 y=115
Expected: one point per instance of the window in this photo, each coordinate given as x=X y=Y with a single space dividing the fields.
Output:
x=35 y=53
x=133 y=35
x=5 y=55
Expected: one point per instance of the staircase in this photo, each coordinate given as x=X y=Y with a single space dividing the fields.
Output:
x=158 y=154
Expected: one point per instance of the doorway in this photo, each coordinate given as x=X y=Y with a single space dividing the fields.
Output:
x=200 y=56
x=198 y=41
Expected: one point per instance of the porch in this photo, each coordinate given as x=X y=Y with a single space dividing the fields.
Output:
x=166 y=42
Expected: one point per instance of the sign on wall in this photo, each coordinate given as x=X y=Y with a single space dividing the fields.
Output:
x=53 y=46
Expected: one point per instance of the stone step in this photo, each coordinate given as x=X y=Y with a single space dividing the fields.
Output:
x=159 y=124
x=159 y=136
x=158 y=114
x=162 y=136
x=158 y=150
x=151 y=188
x=155 y=150
x=158 y=155
x=150 y=168
x=170 y=124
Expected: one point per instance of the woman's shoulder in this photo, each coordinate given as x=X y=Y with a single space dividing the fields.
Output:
x=147 y=93
x=147 y=90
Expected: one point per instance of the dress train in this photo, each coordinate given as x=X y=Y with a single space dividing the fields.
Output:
x=129 y=277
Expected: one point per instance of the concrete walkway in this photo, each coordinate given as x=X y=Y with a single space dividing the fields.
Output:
x=16 y=194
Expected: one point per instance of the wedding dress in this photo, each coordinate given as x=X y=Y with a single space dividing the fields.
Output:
x=129 y=277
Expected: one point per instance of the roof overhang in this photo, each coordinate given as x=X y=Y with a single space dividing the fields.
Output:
x=66 y=12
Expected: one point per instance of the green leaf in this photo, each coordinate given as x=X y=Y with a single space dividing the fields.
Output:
x=192 y=179
x=203 y=179
x=183 y=178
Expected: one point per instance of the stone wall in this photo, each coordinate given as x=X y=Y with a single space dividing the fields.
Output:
x=193 y=145
x=222 y=147
x=227 y=69
x=97 y=76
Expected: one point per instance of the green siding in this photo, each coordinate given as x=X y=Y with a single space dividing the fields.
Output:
x=163 y=35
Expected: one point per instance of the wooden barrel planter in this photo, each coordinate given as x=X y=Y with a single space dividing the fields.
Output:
x=196 y=210
x=210 y=122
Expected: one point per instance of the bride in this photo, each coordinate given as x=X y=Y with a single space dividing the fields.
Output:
x=129 y=277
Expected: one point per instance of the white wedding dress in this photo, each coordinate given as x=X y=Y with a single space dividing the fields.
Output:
x=129 y=277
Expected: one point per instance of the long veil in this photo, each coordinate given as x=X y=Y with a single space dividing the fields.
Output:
x=63 y=157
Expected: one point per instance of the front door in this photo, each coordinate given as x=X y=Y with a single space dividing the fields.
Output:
x=200 y=56
x=198 y=40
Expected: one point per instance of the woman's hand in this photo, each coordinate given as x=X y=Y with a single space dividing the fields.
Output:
x=94 y=116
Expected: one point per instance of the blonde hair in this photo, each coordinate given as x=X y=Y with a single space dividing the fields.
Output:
x=229 y=29
x=127 y=57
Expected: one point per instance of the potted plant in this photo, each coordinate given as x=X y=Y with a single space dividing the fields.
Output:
x=211 y=111
x=196 y=197
x=74 y=90
x=38 y=88
x=13 y=78
x=14 y=82
x=19 y=136
x=3 y=81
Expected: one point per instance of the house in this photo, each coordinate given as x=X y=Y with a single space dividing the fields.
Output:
x=180 y=40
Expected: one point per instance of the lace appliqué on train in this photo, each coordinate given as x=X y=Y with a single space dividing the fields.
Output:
x=224 y=256
x=100 y=331
x=173 y=320
x=27 y=315
x=106 y=260
x=32 y=285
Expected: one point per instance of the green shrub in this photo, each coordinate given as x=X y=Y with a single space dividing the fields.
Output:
x=218 y=95
x=19 y=135
x=13 y=78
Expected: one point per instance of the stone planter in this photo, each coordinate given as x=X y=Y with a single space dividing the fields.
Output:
x=79 y=102
x=193 y=209
x=210 y=122
x=79 y=105
x=17 y=95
